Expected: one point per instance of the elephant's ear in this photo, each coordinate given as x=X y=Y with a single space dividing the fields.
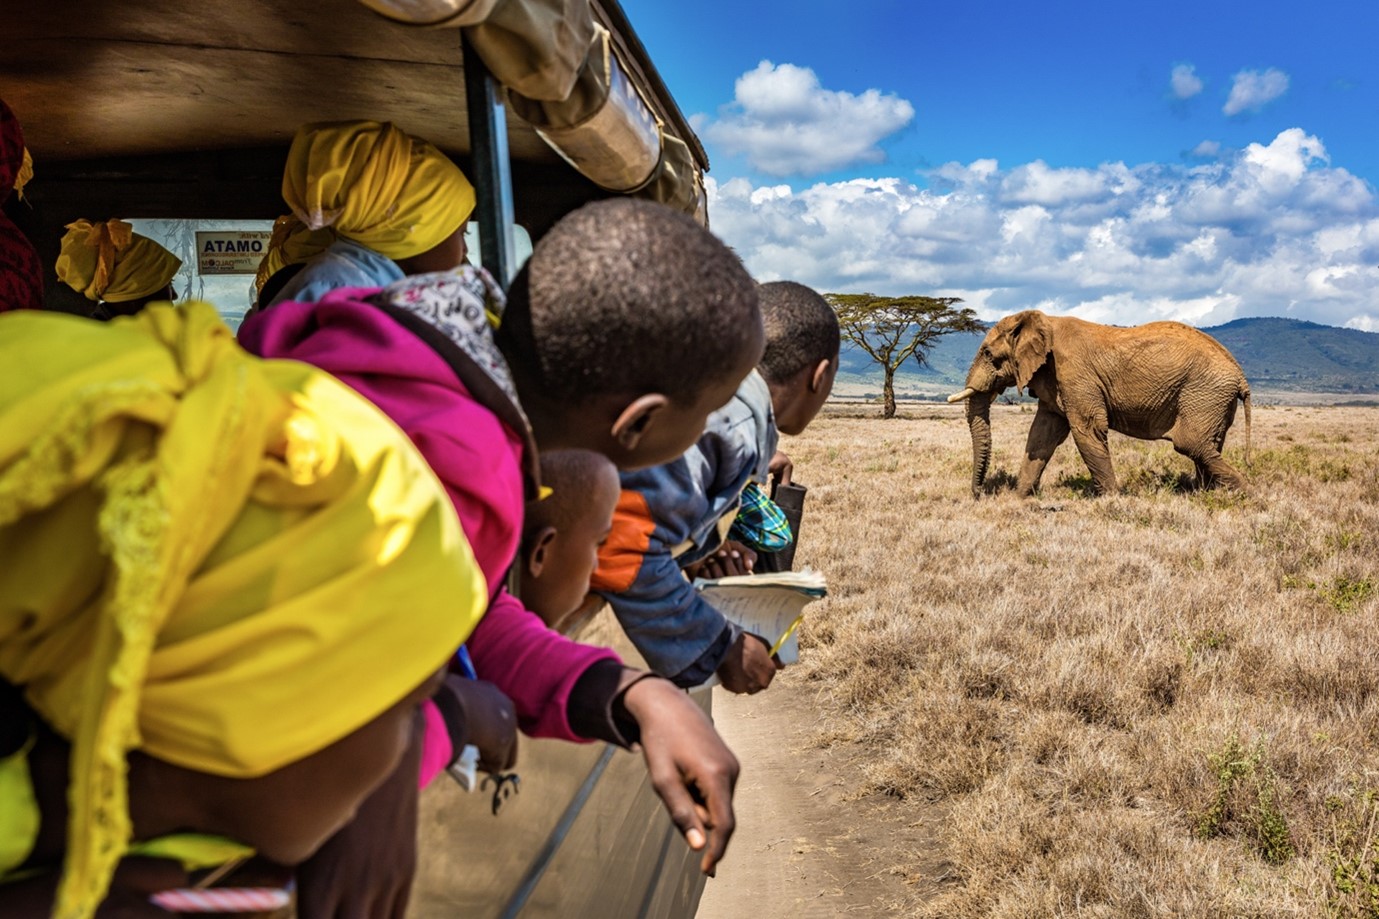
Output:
x=1032 y=345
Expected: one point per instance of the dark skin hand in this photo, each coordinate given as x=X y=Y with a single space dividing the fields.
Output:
x=490 y=721
x=749 y=665
x=286 y=815
x=365 y=870
x=781 y=468
x=691 y=768
x=732 y=559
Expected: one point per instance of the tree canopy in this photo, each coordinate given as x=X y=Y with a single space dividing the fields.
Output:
x=891 y=330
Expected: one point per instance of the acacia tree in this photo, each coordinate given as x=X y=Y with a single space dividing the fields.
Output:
x=894 y=329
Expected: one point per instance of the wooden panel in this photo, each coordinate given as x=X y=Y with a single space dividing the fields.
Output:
x=95 y=79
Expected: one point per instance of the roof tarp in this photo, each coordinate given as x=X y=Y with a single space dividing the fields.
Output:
x=564 y=77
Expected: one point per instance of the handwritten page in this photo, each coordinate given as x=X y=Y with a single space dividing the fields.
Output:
x=768 y=605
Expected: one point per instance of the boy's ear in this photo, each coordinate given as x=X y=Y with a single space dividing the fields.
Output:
x=820 y=375
x=636 y=418
x=540 y=550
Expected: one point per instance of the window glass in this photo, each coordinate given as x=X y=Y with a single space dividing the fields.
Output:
x=219 y=259
x=521 y=244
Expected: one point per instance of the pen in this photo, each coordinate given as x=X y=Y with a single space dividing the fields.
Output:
x=466 y=663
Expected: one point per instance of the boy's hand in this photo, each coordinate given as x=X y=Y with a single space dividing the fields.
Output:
x=749 y=666
x=780 y=468
x=490 y=721
x=731 y=559
x=690 y=766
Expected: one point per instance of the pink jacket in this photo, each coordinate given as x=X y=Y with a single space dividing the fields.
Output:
x=476 y=457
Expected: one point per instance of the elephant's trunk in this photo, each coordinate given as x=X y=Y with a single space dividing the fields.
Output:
x=979 y=423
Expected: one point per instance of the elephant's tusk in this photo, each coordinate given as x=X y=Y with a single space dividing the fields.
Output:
x=959 y=396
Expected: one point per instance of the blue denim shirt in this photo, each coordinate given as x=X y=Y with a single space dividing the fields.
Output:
x=344 y=264
x=678 y=632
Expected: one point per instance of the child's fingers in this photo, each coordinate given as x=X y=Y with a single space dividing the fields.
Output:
x=720 y=817
x=683 y=813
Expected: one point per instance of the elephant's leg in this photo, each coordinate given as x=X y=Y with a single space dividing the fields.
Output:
x=1205 y=453
x=1090 y=438
x=1207 y=477
x=1048 y=431
x=1203 y=477
x=1220 y=472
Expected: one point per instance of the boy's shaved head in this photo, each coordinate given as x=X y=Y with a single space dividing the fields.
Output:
x=574 y=477
x=801 y=329
x=626 y=297
x=561 y=533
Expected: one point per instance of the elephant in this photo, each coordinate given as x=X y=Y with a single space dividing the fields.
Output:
x=1160 y=381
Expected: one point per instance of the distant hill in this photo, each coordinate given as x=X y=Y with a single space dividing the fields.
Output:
x=1279 y=355
x=1290 y=354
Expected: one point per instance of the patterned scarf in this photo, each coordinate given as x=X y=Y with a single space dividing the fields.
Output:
x=455 y=313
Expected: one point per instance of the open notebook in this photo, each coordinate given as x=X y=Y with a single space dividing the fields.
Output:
x=770 y=605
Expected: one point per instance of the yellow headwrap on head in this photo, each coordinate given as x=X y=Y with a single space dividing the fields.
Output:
x=26 y=172
x=109 y=261
x=206 y=556
x=376 y=185
x=292 y=243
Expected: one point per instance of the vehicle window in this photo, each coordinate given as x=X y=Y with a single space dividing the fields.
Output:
x=219 y=259
x=521 y=244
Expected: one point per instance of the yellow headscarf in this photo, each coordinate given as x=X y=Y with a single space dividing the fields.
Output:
x=109 y=261
x=226 y=562
x=370 y=182
x=292 y=243
x=26 y=172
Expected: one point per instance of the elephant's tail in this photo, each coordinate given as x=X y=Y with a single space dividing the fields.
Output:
x=1245 y=398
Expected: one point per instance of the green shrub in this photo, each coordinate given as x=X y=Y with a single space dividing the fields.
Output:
x=1246 y=802
x=1352 y=858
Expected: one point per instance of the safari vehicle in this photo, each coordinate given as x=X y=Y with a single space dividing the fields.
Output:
x=179 y=115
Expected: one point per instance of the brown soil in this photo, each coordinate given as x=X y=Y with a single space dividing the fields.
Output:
x=806 y=846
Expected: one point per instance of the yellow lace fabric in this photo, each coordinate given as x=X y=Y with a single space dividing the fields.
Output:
x=206 y=557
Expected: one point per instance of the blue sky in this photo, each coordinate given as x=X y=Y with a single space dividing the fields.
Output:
x=1194 y=161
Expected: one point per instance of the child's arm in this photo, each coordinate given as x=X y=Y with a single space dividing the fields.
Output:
x=680 y=635
x=534 y=666
x=677 y=631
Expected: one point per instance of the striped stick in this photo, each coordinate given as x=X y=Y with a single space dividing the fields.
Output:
x=222 y=899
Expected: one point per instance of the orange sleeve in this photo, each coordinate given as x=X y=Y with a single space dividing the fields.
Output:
x=620 y=557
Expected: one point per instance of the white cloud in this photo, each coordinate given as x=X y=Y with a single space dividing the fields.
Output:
x=786 y=123
x=1280 y=165
x=1207 y=149
x=1273 y=229
x=1184 y=81
x=1252 y=90
x=1036 y=183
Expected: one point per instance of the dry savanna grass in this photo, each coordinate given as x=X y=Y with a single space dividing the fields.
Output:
x=1159 y=703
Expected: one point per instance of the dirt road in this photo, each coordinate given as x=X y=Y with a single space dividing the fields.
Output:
x=803 y=849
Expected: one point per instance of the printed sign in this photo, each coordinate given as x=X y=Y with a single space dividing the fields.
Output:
x=230 y=251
